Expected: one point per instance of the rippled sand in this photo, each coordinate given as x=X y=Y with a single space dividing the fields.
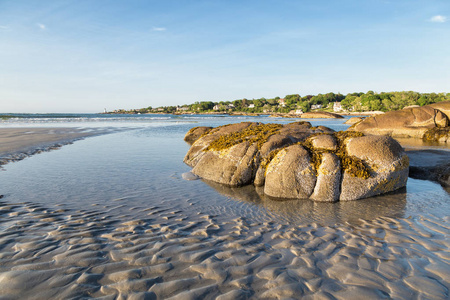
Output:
x=58 y=253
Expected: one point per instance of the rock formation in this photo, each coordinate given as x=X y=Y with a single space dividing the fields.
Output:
x=354 y=120
x=430 y=164
x=320 y=115
x=299 y=161
x=430 y=122
x=195 y=133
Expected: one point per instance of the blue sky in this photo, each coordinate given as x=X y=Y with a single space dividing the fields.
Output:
x=87 y=55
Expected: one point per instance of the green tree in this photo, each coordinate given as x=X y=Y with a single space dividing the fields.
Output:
x=348 y=102
x=423 y=100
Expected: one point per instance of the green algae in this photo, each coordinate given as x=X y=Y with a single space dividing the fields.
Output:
x=253 y=134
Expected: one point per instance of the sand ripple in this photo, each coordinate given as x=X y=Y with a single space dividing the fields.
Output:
x=59 y=254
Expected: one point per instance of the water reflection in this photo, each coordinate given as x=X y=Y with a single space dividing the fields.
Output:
x=412 y=143
x=307 y=211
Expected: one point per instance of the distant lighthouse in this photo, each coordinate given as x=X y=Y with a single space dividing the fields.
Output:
x=105 y=111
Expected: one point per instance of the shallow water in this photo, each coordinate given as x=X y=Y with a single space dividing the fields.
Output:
x=111 y=215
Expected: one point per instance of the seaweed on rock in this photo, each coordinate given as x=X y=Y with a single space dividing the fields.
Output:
x=437 y=134
x=254 y=134
x=352 y=165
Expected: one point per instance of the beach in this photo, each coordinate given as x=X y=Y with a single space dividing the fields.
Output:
x=18 y=143
x=111 y=216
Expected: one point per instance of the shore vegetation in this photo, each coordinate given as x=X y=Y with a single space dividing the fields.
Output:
x=296 y=104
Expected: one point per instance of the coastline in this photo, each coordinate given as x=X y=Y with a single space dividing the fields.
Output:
x=19 y=143
x=243 y=113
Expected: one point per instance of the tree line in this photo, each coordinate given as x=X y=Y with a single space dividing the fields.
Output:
x=353 y=102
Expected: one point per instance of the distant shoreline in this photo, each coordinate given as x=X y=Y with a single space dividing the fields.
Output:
x=236 y=113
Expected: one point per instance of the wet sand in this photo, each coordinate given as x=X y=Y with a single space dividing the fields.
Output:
x=19 y=143
x=59 y=254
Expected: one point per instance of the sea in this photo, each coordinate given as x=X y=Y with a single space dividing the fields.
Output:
x=111 y=215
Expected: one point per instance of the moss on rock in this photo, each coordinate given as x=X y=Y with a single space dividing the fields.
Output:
x=437 y=134
x=351 y=164
x=253 y=134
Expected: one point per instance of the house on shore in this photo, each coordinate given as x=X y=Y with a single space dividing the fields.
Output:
x=337 y=107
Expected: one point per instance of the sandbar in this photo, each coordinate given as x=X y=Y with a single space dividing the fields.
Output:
x=18 y=143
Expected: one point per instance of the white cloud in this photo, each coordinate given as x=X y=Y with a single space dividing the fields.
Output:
x=438 y=19
x=41 y=26
x=159 y=29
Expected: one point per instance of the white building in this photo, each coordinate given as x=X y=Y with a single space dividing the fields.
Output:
x=337 y=106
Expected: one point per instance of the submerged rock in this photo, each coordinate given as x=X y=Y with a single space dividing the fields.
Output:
x=430 y=165
x=430 y=122
x=300 y=161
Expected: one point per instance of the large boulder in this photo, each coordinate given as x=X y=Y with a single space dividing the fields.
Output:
x=290 y=174
x=299 y=161
x=388 y=164
x=194 y=133
x=443 y=106
x=320 y=115
x=354 y=120
x=430 y=122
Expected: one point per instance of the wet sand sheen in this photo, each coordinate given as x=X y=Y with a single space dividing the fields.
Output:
x=18 y=143
x=58 y=253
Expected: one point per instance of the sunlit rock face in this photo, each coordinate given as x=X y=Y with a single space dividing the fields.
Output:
x=298 y=161
x=429 y=122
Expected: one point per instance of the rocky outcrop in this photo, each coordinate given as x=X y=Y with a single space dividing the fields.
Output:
x=430 y=122
x=300 y=161
x=320 y=115
x=443 y=107
x=195 y=133
x=354 y=120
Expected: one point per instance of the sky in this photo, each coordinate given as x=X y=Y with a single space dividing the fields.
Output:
x=82 y=56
